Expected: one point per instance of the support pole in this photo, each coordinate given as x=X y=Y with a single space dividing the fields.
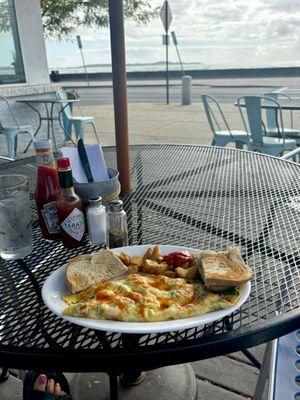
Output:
x=167 y=56
x=117 y=40
x=84 y=66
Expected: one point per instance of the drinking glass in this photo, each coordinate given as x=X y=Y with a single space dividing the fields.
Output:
x=15 y=217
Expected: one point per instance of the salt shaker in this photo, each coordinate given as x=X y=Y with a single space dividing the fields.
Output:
x=96 y=221
x=117 y=225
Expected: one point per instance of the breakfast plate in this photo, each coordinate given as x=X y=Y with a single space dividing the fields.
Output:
x=55 y=287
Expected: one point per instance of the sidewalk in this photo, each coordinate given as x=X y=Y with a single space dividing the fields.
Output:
x=153 y=123
x=159 y=123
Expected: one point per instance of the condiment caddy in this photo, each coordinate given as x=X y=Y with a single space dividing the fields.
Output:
x=62 y=213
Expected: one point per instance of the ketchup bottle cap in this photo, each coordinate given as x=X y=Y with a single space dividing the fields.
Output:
x=42 y=144
x=63 y=162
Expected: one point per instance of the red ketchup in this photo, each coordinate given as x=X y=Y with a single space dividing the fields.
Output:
x=178 y=258
x=46 y=191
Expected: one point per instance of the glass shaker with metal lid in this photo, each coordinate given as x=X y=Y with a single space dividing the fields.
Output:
x=96 y=221
x=117 y=225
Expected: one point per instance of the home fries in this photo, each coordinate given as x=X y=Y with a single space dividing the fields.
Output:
x=153 y=287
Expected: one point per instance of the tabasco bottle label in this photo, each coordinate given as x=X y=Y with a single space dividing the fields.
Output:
x=50 y=215
x=74 y=224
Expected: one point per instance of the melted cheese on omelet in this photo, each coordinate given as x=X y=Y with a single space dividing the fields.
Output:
x=147 y=298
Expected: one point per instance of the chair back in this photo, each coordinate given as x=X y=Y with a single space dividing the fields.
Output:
x=254 y=115
x=13 y=115
x=271 y=114
x=65 y=95
x=215 y=119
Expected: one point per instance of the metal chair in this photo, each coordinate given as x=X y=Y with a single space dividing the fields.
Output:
x=12 y=130
x=69 y=119
x=258 y=142
x=281 y=364
x=271 y=120
x=222 y=137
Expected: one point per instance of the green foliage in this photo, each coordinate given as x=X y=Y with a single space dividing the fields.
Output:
x=4 y=16
x=62 y=17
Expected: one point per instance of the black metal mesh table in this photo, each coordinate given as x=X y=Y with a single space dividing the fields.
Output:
x=196 y=196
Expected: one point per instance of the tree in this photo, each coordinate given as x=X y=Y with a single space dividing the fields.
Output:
x=62 y=17
x=4 y=16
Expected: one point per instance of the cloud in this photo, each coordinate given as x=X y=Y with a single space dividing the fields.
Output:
x=219 y=32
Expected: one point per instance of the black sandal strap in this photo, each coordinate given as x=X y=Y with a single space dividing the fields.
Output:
x=30 y=394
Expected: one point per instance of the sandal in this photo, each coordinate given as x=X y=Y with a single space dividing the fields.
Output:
x=31 y=394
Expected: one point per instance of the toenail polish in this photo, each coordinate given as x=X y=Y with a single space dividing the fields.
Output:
x=42 y=379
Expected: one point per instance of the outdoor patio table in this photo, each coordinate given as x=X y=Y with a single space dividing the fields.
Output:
x=285 y=105
x=51 y=114
x=196 y=196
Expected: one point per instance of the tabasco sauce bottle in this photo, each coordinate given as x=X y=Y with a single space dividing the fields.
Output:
x=69 y=206
x=47 y=190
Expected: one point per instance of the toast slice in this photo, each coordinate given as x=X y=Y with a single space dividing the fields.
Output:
x=83 y=272
x=222 y=270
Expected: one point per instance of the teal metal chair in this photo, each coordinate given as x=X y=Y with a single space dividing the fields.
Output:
x=217 y=119
x=12 y=129
x=258 y=142
x=70 y=120
x=271 y=125
x=280 y=366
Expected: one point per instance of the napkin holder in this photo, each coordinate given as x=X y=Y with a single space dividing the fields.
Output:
x=109 y=190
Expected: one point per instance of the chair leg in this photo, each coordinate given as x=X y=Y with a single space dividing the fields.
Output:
x=95 y=131
x=79 y=131
x=32 y=136
x=16 y=144
x=10 y=138
x=264 y=372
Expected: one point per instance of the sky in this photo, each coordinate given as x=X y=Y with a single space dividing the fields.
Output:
x=215 y=33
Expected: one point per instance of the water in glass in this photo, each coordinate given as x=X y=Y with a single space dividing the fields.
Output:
x=15 y=217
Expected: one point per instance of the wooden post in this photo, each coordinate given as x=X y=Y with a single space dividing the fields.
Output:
x=117 y=40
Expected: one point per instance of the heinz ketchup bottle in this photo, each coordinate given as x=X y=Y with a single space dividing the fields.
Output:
x=70 y=207
x=47 y=190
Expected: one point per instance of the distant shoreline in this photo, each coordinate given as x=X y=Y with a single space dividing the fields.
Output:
x=216 y=73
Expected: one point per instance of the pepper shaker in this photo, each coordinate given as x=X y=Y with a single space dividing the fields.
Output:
x=96 y=221
x=117 y=225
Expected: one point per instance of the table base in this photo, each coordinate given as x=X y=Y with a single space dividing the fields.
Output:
x=176 y=382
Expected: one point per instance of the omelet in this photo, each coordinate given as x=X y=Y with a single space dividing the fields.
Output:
x=147 y=298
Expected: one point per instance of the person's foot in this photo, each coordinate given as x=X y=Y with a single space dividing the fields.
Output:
x=44 y=384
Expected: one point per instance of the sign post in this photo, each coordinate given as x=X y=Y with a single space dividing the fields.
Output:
x=176 y=45
x=166 y=17
x=83 y=62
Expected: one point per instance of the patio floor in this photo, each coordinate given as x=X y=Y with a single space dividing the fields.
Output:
x=230 y=377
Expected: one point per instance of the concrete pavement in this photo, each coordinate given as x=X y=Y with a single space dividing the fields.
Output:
x=229 y=377
x=159 y=123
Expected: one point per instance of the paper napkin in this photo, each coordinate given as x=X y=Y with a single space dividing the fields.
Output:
x=96 y=160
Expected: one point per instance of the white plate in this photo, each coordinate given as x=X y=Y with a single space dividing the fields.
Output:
x=55 y=287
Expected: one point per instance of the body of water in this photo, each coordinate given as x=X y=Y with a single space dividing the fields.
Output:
x=161 y=66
